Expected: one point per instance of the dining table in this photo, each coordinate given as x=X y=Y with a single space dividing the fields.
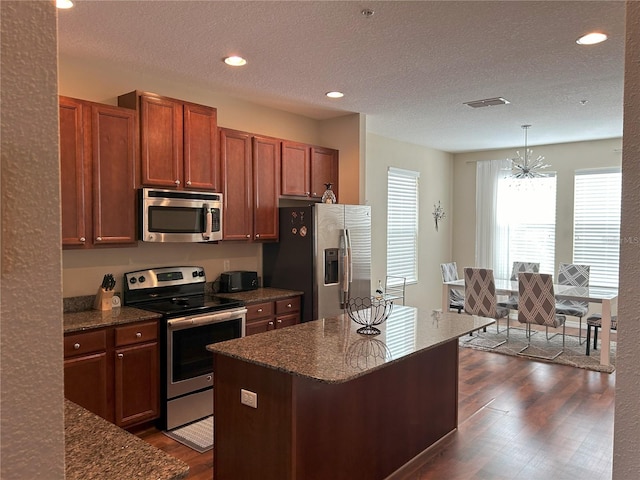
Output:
x=606 y=296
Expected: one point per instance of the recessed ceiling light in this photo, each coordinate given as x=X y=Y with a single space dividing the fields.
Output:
x=592 y=38
x=64 y=4
x=235 y=61
x=334 y=94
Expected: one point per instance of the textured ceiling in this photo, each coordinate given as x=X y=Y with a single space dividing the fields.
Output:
x=408 y=68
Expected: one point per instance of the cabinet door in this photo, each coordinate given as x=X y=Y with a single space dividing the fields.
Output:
x=295 y=169
x=266 y=187
x=259 y=326
x=85 y=383
x=235 y=153
x=137 y=384
x=160 y=141
x=324 y=169
x=287 y=320
x=201 y=159
x=114 y=175
x=74 y=174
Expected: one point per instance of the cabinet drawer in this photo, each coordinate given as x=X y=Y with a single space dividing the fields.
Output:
x=85 y=342
x=259 y=310
x=288 y=305
x=136 y=333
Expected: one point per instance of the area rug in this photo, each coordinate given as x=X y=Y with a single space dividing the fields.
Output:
x=574 y=354
x=197 y=435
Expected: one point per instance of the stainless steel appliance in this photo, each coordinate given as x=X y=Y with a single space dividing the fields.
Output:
x=324 y=251
x=190 y=321
x=179 y=216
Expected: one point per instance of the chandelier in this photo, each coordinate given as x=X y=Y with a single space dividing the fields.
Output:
x=523 y=167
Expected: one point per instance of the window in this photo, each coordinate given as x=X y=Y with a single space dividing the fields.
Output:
x=526 y=222
x=596 y=224
x=402 y=223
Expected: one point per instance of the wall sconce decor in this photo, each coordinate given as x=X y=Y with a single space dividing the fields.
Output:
x=438 y=213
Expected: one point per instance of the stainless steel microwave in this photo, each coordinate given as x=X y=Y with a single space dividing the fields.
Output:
x=180 y=216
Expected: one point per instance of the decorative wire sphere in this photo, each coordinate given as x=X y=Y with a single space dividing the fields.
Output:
x=369 y=311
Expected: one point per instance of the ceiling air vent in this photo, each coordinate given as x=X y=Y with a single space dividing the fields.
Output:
x=487 y=102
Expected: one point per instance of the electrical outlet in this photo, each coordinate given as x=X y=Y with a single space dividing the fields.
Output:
x=248 y=398
x=226 y=265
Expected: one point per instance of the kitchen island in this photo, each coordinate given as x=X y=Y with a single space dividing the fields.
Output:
x=329 y=403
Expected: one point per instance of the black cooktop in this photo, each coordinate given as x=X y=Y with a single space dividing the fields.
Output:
x=189 y=305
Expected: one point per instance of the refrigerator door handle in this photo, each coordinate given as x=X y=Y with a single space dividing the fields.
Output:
x=349 y=256
x=344 y=252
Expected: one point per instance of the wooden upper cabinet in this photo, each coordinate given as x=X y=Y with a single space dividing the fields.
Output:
x=160 y=141
x=98 y=174
x=237 y=174
x=75 y=175
x=266 y=186
x=324 y=169
x=178 y=142
x=296 y=169
x=251 y=178
x=201 y=160
x=114 y=175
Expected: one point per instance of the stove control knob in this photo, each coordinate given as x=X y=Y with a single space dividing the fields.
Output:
x=132 y=280
x=201 y=273
x=194 y=274
x=141 y=279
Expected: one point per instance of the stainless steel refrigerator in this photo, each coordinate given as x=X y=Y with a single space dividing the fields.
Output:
x=325 y=251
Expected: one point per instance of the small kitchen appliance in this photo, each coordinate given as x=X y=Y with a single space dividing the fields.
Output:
x=190 y=321
x=238 y=281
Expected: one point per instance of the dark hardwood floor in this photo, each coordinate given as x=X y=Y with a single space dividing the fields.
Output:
x=518 y=419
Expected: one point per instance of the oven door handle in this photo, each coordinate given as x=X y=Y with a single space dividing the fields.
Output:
x=186 y=322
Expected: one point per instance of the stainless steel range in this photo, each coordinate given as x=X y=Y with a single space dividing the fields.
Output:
x=190 y=321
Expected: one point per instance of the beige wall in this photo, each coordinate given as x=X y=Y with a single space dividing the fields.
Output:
x=626 y=461
x=564 y=159
x=32 y=432
x=434 y=248
x=102 y=82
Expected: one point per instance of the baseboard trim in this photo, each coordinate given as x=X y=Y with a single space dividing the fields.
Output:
x=419 y=460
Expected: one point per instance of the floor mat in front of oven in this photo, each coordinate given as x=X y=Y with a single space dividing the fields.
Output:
x=197 y=435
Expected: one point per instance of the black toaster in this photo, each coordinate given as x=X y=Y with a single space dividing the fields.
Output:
x=238 y=281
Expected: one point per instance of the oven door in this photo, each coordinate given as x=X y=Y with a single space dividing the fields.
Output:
x=189 y=363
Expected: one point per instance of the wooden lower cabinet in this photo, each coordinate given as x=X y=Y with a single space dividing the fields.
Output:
x=114 y=372
x=262 y=317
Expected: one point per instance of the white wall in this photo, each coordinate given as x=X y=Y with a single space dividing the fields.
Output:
x=436 y=174
x=32 y=432
x=626 y=461
x=564 y=159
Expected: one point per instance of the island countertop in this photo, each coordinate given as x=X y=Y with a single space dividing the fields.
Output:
x=330 y=350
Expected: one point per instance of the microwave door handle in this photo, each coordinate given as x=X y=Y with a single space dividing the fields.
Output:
x=208 y=222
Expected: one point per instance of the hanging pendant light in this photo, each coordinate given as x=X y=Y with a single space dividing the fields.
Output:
x=523 y=167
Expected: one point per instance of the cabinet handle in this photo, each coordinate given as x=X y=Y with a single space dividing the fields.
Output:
x=76 y=346
x=257 y=235
x=259 y=310
x=288 y=305
x=177 y=182
x=188 y=182
x=248 y=236
x=307 y=193
x=82 y=239
x=279 y=321
x=314 y=194
x=138 y=335
x=271 y=324
x=98 y=239
x=121 y=355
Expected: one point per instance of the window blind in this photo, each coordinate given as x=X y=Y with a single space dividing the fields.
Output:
x=527 y=221
x=402 y=223
x=596 y=224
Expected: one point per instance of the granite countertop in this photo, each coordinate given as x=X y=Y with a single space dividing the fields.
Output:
x=89 y=319
x=330 y=350
x=98 y=450
x=263 y=294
